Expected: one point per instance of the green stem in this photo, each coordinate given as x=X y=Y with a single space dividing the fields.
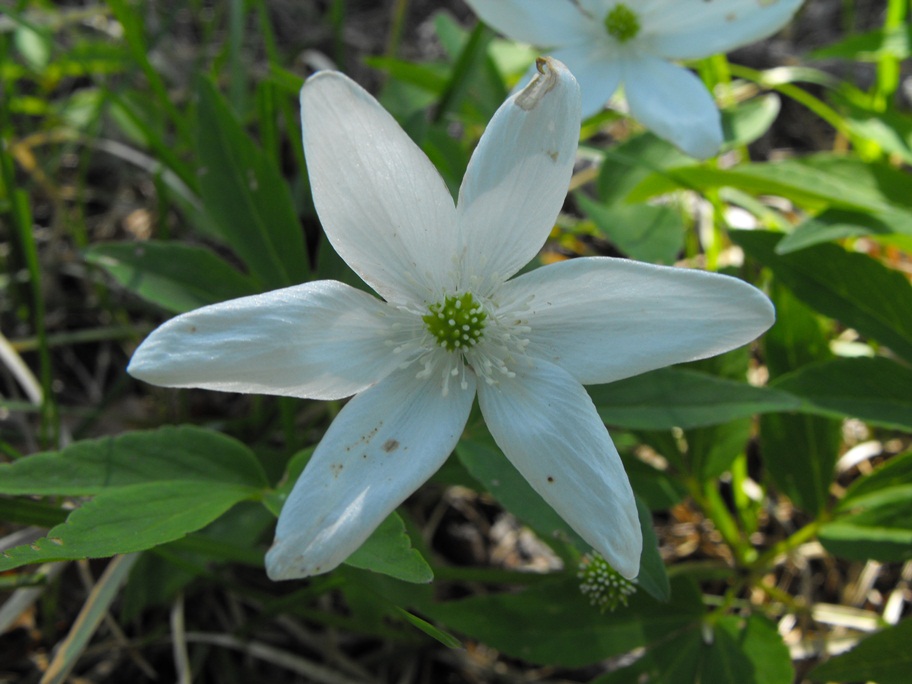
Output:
x=114 y=332
x=796 y=539
x=888 y=65
x=399 y=12
x=337 y=21
x=710 y=501
x=21 y=219
x=237 y=86
x=799 y=95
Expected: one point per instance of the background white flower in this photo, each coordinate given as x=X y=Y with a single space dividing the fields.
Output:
x=452 y=322
x=607 y=43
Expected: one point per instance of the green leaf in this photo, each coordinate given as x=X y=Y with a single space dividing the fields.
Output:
x=522 y=625
x=712 y=450
x=882 y=532
x=677 y=397
x=816 y=182
x=884 y=658
x=874 y=518
x=474 y=87
x=431 y=77
x=799 y=451
x=659 y=489
x=34 y=46
x=496 y=474
x=749 y=120
x=29 y=512
x=641 y=231
x=389 y=551
x=633 y=161
x=730 y=650
x=876 y=390
x=247 y=196
x=896 y=472
x=871 y=46
x=447 y=640
x=167 y=455
x=174 y=276
x=653 y=577
x=130 y=518
x=850 y=287
x=891 y=130
x=834 y=224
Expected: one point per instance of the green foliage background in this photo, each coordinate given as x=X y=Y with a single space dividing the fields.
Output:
x=138 y=184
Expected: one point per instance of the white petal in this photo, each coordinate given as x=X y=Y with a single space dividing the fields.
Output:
x=674 y=104
x=545 y=423
x=545 y=23
x=517 y=179
x=320 y=340
x=606 y=319
x=690 y=30
x=381 y=447
x=382 y=203
x=597 y=70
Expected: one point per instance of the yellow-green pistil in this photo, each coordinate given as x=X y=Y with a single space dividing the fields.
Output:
x=456 y=322
x=622 y=23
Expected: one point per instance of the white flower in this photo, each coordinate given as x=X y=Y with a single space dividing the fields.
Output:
x=451 y=322
x=606 y=43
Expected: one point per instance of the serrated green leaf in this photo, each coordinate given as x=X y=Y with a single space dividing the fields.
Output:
x=169 y=454
x=731 y=650
x=174 y=276
x=876 y=390
x=850 y=287
x=130 y=518
x=677 y=397
x=247 y=197
x=641 y=231
x=884 y=658
x=389 y=551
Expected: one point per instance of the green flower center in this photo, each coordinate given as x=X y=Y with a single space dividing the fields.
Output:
x=456 y=322
x=602 y=584
x=622 y=23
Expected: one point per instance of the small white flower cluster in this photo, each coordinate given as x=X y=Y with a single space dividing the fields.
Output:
x=605 y=587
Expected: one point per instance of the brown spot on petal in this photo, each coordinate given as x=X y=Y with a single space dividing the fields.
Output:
x=390 y=445
x=336 y=469
x=550 y=478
